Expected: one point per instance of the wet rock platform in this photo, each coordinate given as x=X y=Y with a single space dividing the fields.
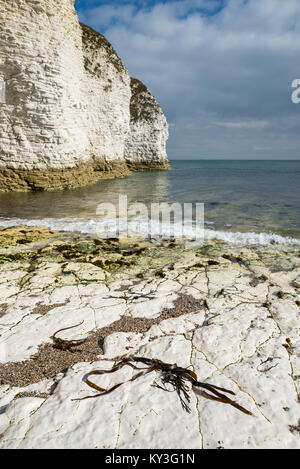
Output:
x=230 y=314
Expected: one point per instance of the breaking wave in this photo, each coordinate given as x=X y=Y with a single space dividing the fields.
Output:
x=107 y=227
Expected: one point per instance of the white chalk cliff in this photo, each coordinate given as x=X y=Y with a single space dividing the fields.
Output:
x=146 y=142
x=69 y=112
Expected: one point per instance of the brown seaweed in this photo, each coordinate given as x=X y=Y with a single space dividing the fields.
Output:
x=170 y=374
x=63 y=344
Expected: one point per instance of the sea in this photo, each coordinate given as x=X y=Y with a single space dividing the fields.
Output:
x=245 y=202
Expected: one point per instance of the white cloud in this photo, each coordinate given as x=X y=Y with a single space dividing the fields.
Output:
x=249 y=124
x=257 y=148
x=229 y=73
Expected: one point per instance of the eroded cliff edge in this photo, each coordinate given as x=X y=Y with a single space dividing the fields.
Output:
x=145 y=146
x=107 y=94
x=69 y=112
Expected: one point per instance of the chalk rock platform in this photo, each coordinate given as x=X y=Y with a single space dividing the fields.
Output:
x=229 y=314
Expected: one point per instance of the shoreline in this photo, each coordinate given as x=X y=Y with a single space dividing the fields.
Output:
x=83 y=175
x=230 y=313
x=98 y=227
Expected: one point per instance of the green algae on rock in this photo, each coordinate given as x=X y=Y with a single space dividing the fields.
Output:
x=20 y=180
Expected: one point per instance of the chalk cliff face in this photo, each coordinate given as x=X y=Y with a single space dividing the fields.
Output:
x=43 y=120
x=146 y=143
x=107 y=85
x=69 y=113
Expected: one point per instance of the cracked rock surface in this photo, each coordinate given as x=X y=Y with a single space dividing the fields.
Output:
x=230 y=314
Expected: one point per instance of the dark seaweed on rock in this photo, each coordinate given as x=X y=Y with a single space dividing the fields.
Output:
x=176 y=376
x=63 y=344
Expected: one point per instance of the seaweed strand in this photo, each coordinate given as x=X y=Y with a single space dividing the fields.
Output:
x=170 y=374
x=63 y=344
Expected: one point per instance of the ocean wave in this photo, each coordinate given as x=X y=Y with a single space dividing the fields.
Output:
x=108 y=227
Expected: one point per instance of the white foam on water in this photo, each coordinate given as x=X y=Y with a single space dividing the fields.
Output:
x=108 y=227
x=251 y=238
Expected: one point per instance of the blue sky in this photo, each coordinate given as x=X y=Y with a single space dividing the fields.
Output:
x=221 y=70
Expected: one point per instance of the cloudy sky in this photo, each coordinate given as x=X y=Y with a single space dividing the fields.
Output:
x=221 y=69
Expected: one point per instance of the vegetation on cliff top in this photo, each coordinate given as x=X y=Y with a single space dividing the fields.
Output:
x=142 y=102
x=94 y=40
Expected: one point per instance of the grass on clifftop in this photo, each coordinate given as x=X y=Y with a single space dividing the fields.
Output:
x=92 y=39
